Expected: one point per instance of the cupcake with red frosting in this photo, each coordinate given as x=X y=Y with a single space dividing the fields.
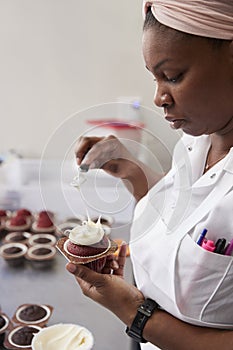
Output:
x=87 y=244
x=18 y=223
x=43 y=224
x=45 y=213
x=24 y=212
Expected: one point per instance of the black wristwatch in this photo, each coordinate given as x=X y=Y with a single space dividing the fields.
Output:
x=144 y=312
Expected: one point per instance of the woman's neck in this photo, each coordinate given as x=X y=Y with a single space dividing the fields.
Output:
x=221 y=143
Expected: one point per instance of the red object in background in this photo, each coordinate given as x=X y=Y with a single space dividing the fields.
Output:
x=44 y=222
x=116 y=124
x=18 y=221
x=45 y=214
x=23 y=212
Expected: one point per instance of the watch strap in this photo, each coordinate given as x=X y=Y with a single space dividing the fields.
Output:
x=144 y=312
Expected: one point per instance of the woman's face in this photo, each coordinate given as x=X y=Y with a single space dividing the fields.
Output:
x=194 y=81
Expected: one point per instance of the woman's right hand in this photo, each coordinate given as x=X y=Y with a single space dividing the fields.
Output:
x=107 y=153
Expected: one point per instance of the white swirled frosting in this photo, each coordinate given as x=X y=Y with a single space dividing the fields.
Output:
x=63 y=337
x=87 y=234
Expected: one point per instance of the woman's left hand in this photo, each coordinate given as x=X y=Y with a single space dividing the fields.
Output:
x=110 y=290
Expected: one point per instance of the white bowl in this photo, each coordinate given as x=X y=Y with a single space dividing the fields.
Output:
x=63 y=336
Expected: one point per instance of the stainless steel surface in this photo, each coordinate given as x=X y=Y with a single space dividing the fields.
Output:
x=56 y=287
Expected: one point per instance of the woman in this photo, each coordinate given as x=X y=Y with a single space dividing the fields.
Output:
x=188 y=48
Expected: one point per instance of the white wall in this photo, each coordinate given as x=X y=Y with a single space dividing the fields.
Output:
x=59 y=57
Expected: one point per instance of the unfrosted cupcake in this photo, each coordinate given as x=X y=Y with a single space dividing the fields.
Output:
x=42 y=238
x=4 y=326
x=31 y=314
x=21 y=337
x=18 y=237
x=41 y=255
x=13 y=253
x=87 y=244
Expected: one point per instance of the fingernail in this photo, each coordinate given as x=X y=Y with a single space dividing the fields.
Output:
x=114 y=264
x=84 y=168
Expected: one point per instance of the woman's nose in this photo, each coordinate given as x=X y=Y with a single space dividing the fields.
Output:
x=162 y=99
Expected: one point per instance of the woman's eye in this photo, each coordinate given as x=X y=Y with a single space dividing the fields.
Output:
x=175 y=79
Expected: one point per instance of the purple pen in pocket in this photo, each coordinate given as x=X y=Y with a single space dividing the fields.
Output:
x=229 y=248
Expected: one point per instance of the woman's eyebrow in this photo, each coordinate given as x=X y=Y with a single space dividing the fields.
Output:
x=159 y=64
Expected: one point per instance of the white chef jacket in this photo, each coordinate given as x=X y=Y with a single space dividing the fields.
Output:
x=187 y=281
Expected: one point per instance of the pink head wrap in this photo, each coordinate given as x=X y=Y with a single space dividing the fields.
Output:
x=209 y=18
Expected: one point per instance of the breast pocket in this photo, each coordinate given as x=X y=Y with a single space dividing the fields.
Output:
x=204 y=284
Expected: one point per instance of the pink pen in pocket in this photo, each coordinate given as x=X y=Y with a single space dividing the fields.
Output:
x=208 y=245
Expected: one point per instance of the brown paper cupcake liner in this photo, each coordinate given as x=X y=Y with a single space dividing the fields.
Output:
x=48 y=309
x=84 y=260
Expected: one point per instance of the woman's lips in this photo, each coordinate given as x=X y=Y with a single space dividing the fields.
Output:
x=174 y=123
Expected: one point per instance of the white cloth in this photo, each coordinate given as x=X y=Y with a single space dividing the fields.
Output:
x=187 y=281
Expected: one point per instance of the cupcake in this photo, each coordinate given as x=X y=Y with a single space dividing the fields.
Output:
x=18 y=223
x=41 y=256
x=87 y=244
x=21 y=337
x=17 y=237
x=45 y=213
x=4 y=326
x=31 y=314
x=24 y=212
x=59 y=335
x=13 y=253
x=42 y=238
x=43 y=224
